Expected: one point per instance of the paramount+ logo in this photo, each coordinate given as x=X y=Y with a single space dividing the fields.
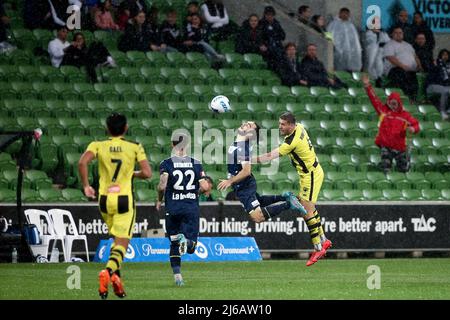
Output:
x=424 y=225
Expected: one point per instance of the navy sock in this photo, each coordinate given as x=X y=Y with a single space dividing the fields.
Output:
x=268 y=200
x=175 y=259
x=191 y=246
x=272 y=211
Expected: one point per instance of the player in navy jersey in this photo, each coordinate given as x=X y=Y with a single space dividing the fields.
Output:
x=260 y=208
x=181 y=180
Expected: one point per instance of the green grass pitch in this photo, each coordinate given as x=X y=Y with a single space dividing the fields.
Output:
x=270 y=279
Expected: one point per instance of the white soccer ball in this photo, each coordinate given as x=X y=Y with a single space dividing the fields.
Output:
x=220 y=104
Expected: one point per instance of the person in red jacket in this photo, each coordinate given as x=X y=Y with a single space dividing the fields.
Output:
x=394 y=123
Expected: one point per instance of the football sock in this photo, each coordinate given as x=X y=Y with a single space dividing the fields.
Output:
x=272 y=211
x=268 y=200
x=175 y=258
x=314 y=226
x=322 y=236
x=115 y=258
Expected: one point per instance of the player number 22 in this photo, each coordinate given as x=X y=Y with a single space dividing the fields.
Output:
x=179 y=175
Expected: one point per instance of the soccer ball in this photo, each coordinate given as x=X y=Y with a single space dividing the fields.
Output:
x=220 y=104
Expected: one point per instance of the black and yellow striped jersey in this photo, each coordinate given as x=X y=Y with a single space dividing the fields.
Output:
x=117 y=158
x=300 y=149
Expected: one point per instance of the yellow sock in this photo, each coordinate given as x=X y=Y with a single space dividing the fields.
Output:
x=116 y=257
x=321 y=233
x=314 y=226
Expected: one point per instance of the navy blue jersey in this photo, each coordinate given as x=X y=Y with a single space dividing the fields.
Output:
x=183 y=184
x=239 y=152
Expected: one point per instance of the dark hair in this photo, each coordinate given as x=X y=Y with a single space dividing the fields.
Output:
x=171 y=10
x=209 y=179
x=421 y=34
x=62 y=28
x=419 y=13
x=344 y=9
x=315 y=18
x=116 y=123
x=289 y=117
x=302 y=9
x=102 y=5
x=311 y=44
x=442 y=52
x=76 y=35
x=180 y=138
x=288 y=45
x=269 y=9
x=192 y=3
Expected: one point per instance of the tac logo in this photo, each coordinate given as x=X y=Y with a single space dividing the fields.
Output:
x=424 y=225
x=201 y=251
x=130 y=254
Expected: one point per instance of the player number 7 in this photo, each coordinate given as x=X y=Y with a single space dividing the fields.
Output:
x=116 y=172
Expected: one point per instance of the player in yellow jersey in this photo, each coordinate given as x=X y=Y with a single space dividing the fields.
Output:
x=117 y=158
x=298 y=147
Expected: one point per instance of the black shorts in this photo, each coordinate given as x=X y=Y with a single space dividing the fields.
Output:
x=248 y=197
x=186 y=223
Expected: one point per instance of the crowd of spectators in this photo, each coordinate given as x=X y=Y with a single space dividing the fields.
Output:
x=392 y=57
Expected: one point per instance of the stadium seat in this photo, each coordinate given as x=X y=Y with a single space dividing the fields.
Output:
x=428 y=194
x=197 y=60
x=373 y=195
x=38 y=179
x=333 y=195
x=7 y=195
x=73 y=195
x=255 y=61
x=393 y=195
x=353 y=195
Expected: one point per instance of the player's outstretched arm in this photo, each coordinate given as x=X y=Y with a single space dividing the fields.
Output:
x=275 y=153
x=163 y=178
x=145 y=172
x=244 y=173
x=85 y=159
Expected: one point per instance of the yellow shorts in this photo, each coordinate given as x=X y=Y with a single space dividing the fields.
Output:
x=310 y=184
x=119 y=213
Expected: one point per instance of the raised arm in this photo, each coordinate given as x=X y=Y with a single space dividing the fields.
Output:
x=376 y=102
x=275 y=153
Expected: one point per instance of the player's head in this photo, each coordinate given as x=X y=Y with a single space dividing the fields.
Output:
x=249 y=130
x=116 y=124
x=180 y=142
x=286 y=123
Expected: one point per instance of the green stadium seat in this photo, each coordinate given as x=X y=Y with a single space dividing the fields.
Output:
x=373 y=195
x=418 y=181
x=428 y=194
x=235 y=60
x=412 y=195
x=255 y=61
x=137 y=58
x=50 y=195
x=443 y=145
x=197 y=60
x=393 y=195
x=73 y=74
x=39 y=179
x=29 y=195
x=284 y=94
x=177 y=59
x=340 y=180
x=157 y=59
x=191 y=76
x=333 y=195
x=399 y=180
x=7 y=195
x=429 y=112
x=73 y=195
x=265 y=94
x=231 y=76
x=445 y=194
x=443 y=127
x=353 y=195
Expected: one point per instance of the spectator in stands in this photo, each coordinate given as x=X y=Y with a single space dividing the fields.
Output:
x=135 y=7
x=171 y=33
x=401 y=64
x=192 y=7
x=196 y=39
x=123 y=16
x=273 y=35
x=402 y=22
x=376 y=39
x=79 y=55
x=304 y=15
x=5 y=46
x=152 y=26
x=314 y=72
x=136 y=36
x=37 y=14
x=319 y=24
x=250 y=37
x=103 y=17
x=423 y=52
x=395 y=123
x=215 y=15
x=419 y=25
x=438 y=82
x=290 y=70
x=348 y=52
x=58 y=9
x=207 y=196
x=57 y=47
